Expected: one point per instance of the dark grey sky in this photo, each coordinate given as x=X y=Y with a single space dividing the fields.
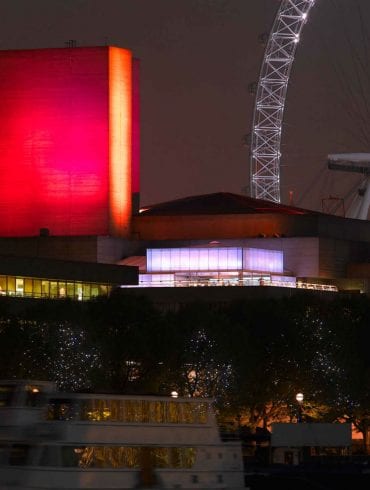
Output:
x=197 y=59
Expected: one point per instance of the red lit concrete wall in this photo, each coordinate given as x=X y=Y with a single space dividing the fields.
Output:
x=60 y=142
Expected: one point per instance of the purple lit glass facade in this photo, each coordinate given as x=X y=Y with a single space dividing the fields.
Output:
x=214 y=259
x=256 y=259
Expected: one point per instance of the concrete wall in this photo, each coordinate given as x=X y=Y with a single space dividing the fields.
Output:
x=222 y=226
x=82 y=248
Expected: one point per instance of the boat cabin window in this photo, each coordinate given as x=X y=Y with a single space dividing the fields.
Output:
x=18 y=455
x=130 y=411
x=7 y=395
x=21 y=395
x=62 y=409
x=108 y=457
x=34 y=396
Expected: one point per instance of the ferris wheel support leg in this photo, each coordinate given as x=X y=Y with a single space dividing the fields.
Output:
x=364 y=209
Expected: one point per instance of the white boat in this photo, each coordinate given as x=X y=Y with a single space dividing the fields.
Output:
x=52 y=440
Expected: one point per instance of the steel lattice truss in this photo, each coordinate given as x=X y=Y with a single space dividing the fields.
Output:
x=270 y=98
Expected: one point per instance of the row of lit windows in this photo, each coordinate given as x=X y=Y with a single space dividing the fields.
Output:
x=130 y=411
x=211 y=279
x=46 y=288
x=104 y=457
x=135 y=457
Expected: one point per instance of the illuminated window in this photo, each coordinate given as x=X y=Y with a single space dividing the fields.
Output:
x=3 y=286
x=138 y=411
x=53 y=289
x=122 y=456
x=78 y=287
x=19 y=286
x=174 y=412
x=37 y=288
x=86 y=291
x=28 y=288
x=45 y=288
x=102 y=290
x=11 y=285
x=62 y=289
x=70 y=289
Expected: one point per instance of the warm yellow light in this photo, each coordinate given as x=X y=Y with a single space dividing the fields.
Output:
x=174 y=394
x=299 y=397
x=106 y=413
x=120 y=134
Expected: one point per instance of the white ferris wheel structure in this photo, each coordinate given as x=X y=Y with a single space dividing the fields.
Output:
x=270 y=98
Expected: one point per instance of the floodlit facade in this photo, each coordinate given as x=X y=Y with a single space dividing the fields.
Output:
x=66 y=144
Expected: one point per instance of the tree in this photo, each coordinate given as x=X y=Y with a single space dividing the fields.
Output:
x=203 y=365
x=349 y=321
x=129 y=335
x=46 y=342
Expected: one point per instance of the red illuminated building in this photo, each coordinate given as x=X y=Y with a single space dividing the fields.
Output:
x=68 y=141
x=69 y=209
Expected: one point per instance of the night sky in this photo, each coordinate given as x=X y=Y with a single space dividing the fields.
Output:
x=198 y=58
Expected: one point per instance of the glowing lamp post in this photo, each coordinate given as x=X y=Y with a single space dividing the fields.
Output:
x=299 y=397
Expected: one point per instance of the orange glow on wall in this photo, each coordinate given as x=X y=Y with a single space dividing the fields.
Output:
x=120 y=134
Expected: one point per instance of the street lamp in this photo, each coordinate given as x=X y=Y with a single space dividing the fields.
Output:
x=299 y=397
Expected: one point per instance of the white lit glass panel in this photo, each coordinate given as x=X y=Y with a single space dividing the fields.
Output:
x=151 y=260
x=203 y=260
x=194 y=259
x=234 y=259
x=165 y=260
x=184 y=260
x=263 y=260
x=213 y=259
x=173 y=259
